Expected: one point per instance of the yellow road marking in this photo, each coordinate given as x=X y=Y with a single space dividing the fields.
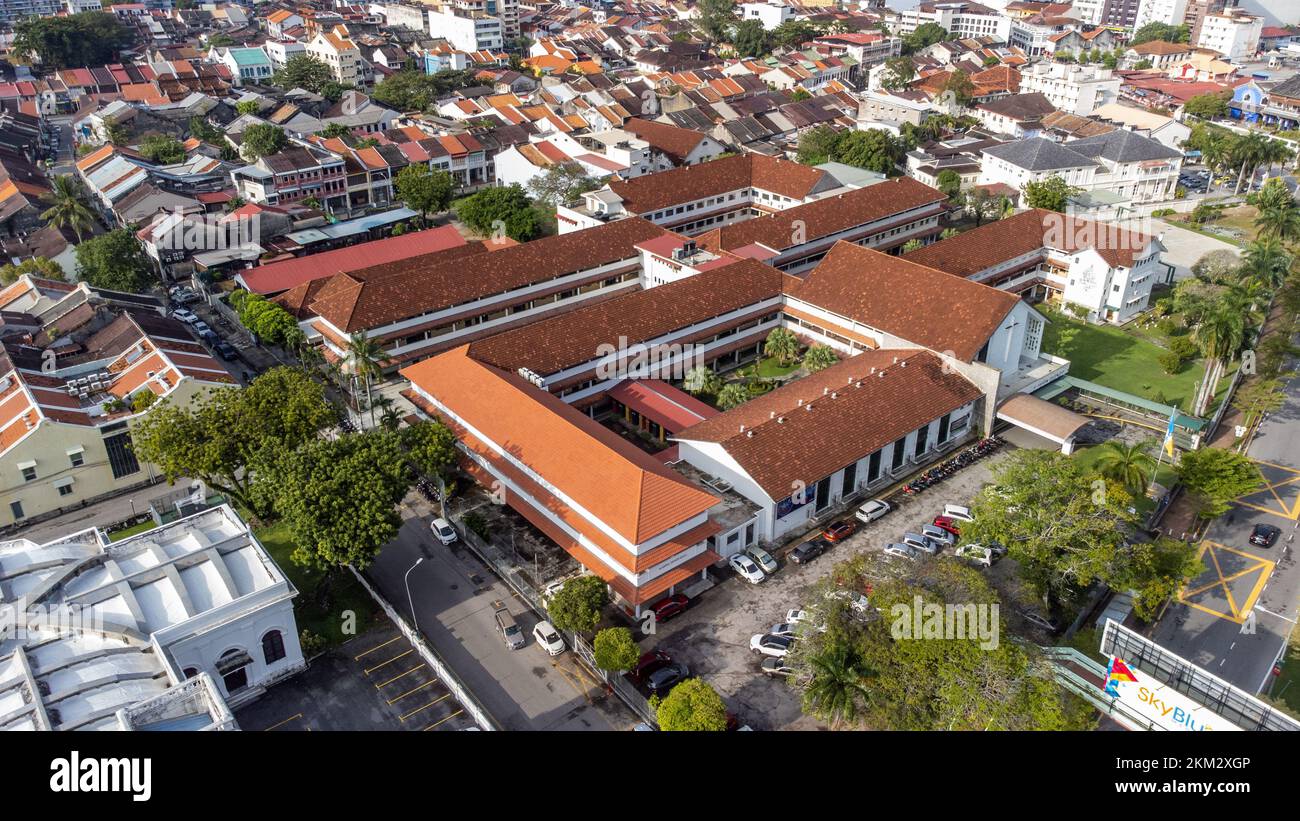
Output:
x=373 y=649
x=448 y=718
x=390 y=661
x=1237 y=614
x=282 y=723
x=399 y=675
x=412 y=690
x=425 y=707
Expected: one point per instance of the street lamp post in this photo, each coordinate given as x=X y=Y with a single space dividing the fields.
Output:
x=406 y=580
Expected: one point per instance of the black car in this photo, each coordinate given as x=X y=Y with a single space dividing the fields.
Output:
x=666 y=677
x=1263 y=535
x=225 y=350
x=809 y=550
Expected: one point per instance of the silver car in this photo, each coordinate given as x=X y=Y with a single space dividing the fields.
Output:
x=763 y=559
x=921 y=543
x=902 y=551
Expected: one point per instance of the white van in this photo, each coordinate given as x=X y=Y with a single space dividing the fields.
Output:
x=443 y=531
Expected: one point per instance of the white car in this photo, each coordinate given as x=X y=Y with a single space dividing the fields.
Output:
x=959 y=512
x=857 y=601
x=185 y=315
x=443 y=531
x=763 y=559
x=920 y=543
x=902 y=551
x=548 y=638
x=785 y=628
x=984 y=556
x=872 y=511
x=794 y=616
x=551 y=590
x=745 y=566
x=769 y=645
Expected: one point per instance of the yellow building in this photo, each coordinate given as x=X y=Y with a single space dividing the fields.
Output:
x=65 y=432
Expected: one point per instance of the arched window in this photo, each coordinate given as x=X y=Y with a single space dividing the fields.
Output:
x=191 y=672
x=272 y=647
x=233 y=669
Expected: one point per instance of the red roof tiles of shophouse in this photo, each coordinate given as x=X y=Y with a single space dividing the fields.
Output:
x=914 y=302
x=816 y=425
x=616 y=482
x=677 y=143
x=823 y=217
x=281 y=276
x=654 y=191
x=565 y=340
x=376 y=296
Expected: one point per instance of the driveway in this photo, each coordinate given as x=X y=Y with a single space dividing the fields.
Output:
x=455 y=597
x=712 y=636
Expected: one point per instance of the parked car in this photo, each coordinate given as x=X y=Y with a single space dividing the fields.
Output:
x=959 y=512
x=443 y=531
x=548 y=638
x=551 y=590
x=938 y=535
x=982 y=555
x=921 y=543
x=225 y=350
x=746 y=569
x=839 y=531
x=795 y=615
x=772 y=666
x=667 y=677
x=949 y=524
x=509 y=629
x=769 y=645
x=763 y=559
x=648 y=663
x=185 y=315
x=809 y=550
x=669 y=606
x=201 y=328
x=872 y=510
x=785 y=628
x=902 y=551
x=1263 y=535
x=856 y=600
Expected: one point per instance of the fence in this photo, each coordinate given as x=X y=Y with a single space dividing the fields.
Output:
x=499 y=564
x=477 y=711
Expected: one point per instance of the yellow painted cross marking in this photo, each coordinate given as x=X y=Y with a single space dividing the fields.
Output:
x=1282 y=508
x=1235 y=613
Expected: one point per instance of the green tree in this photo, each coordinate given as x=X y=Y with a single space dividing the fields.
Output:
x=702 y=379
x=924 y=36
x=1052 y=193
x=161 y=149
x=960 y=86
x=839 y=690
x=339 y=497
x=897 y=73
x=692 y=706
x=424 y=190
x=305 y=72
x=1160 y=31
x=1214 y=477
x=1221 y=332
x=263 y=139
x=225 y=435
x=874 y=150
x=715 y=18
x=818 y=145
x=203 y=130
x=615 y=650
x=501 y=209
x=1258 y=397
x=981 y=204
x=417 y=91
x=1207 y=106
x=794 y=33
x=1158 y=570
x=115 y=262
x=949 y=183
x=36 y=266
x=430 y=447
x=89 y=38
x=67 y=206
x=1063 y=528
x=782 y=344
x=1130 y=465
x=335 y=131
x=576 y=607
x=819 y=358
x=364 y=355
x=732 y=395
x=562 y=183
x=248 y=107
x=749 y=38
x=1268 y=262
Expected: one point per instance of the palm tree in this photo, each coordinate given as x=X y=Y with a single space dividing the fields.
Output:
x=1246 y=154
x=782 y=344
x=1127 y=464
x=702 y=379
x=1220 y=334
x=68 y=208
x=365 y=363
x=1279 y=224
x=838 y=691
x=1268 y=261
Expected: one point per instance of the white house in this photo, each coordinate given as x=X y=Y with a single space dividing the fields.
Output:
x=1072 y=88
x=1234 y=34
x=770 y=15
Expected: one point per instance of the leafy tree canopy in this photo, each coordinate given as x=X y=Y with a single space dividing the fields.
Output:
x=89 y=38
x=417 y=91
x=36 y=266
x=615 y=650
x=692 y=706
x=263 y=139
x=500 y=209
x=1214 y=477
x=116 y=262
x=576 y=606
x=424 y=190
x=560 y=184
x=305 y=72
x=1052 y=193
x=1160 y=31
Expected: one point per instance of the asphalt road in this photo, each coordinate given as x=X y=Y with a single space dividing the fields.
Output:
x=1234 y=620
x=455 y=597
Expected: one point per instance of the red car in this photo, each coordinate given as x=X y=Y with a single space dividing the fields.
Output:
x=666 y=608
x=648 y=663
x=947 y=523
x=839 y=531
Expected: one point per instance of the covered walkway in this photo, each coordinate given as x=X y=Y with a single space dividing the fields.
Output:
x=1046 y=419
x=658 y=408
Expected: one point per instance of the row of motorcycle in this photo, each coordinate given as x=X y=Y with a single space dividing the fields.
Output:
x=968 y=456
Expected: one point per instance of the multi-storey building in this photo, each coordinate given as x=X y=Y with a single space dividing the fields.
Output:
x=469 y=31
x=1233 y=34
x=302 y=172
x=1072 y=88
x=336 y=49
x=1169 y=12
x=959 y=19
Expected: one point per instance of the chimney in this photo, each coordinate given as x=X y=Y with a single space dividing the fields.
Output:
x=771 y=414
x=742 y=428
x=835 y=395
x=780 y=420
x=749 y=435
x=881 y=374
x=800 y=405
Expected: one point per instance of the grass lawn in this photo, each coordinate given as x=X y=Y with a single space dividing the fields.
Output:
x=132 y=530
x=1117 y=359
x=770 y=368
x=1286 y=687
x=1165 y=475
x=348 y=594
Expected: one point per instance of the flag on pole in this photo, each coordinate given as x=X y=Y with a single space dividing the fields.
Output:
x=1169 y=434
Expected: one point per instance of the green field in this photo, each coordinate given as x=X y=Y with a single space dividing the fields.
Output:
x=770 y=368
x=347 y=593
x=1165 y=475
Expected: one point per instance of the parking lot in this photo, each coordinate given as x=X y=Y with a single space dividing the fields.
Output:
x=712 y=635
x=376 y=681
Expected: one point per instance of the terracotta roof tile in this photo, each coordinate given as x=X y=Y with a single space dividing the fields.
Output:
x=653 y=191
